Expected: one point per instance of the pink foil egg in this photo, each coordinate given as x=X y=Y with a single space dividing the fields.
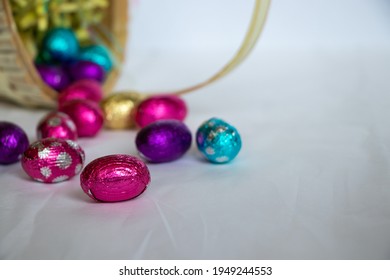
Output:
x=82 y=89
x=160 y=107
x=87 y=116
x=115 y=178
x=57 y=125
x=53 y=160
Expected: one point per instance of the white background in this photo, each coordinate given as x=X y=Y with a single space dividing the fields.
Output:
x=312 y=180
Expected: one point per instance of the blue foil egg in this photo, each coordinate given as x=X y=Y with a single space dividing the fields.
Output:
x=218 y=141
x=59 y=45
x=97 y=54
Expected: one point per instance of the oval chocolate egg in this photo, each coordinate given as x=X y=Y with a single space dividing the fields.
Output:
x=118 y=108
x=87 y=116
x=57 y=125
x=160 y=107
x=82 y=90
x=163 y=141
x=218 y=141
x=53 y=160
x=115 y=178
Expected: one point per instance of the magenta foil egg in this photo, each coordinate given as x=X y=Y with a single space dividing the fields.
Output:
x=160 y=107
x=87 y=116
x=115 y=178
x=82 y=90
x=53 y=160
x=57 y=125
x=163 y=141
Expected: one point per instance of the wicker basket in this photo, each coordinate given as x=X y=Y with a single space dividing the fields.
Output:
x=19 y=80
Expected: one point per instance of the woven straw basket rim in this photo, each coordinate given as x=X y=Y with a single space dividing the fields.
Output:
x=19 y=80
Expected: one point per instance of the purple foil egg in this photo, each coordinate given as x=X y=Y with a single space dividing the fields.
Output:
x=53 y=160
x=163 y=141
x=13 y=142
x=57 y=125
x=83 y=69
x=115 y=178
x=54 y=76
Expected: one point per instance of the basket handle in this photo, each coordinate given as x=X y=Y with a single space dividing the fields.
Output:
x=259 y=17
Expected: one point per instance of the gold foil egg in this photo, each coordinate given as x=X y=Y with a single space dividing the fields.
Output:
x=118 y=108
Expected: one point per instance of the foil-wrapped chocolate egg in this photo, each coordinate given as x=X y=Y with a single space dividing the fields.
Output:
x=81 y=70
x=97 y=54
x=13 y=142
x=87 y=116
x=57 y=125
x=82 y=89
x=160 y=107
x=118 y=108
x=53 y=160
x=115 y=178
x=163 y=141
x=218 y=141
x=60 y=45
x=53 y=76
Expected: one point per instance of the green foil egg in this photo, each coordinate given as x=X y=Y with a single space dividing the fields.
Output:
x=97 y=54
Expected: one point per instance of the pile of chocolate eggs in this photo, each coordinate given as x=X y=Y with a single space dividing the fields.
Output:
x=77 y=74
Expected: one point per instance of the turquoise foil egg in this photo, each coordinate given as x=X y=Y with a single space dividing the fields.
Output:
x=59 y=45
x=218 y=141
x=97 y=54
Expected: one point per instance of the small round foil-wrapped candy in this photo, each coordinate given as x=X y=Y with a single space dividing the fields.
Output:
x=87 y=116
x=97 y=54
x=115 y=178
x=160 y=107
x=118 y=108
x=81 y=70
x=57 y=125
x=60 y=45
x=53 y=160
x=218 y=141
x=163 y=141
x=13 y=142
x=54 y=76
x=82 y=89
